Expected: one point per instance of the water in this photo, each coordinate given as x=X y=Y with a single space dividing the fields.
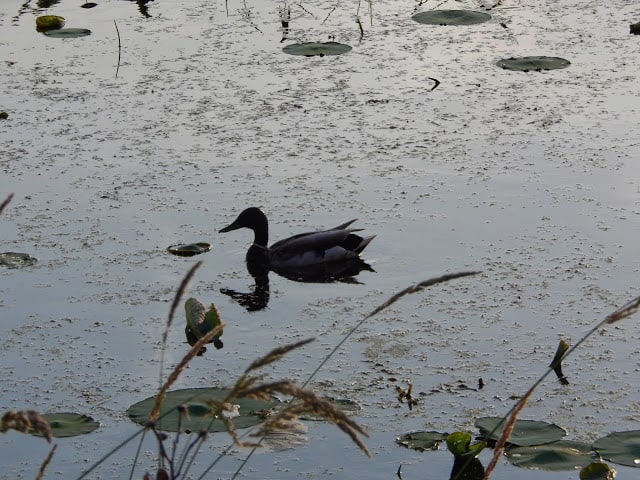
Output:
x=530 y=178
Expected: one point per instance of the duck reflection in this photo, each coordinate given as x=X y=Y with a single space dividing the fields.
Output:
x=258 y=297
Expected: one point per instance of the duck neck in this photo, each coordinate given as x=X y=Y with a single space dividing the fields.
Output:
x=261 y=232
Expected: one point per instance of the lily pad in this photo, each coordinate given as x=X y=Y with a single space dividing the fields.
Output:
x=535 y=63
x=69 y=424
x=451 y=17
x=49 y=22
x=556 y=456
x=421 y=441
x=189 y=249
x=199 y=413
x=68 y=33
x=622 y=448
x=312 y=49
x=525 y=433
x=16 y=260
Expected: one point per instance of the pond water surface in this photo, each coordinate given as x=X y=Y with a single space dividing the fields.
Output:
x=531 y=178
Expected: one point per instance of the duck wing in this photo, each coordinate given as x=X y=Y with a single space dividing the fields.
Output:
x=308 y=242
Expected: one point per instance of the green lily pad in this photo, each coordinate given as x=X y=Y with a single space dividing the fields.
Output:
x=16 y=260
x=199 y=413
x=622 y=448
x=49 y=22
x=189 y=249
x=69 y=424
x=68 y=33
x=451 y=17
x=597 y=471
x=421 y=441
x=312 y=49
x=534 y=63
x=525 y=432
x=556 y=456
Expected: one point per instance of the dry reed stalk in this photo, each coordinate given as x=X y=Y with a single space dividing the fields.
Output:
x=24 y=420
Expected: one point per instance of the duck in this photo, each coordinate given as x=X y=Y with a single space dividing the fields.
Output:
x=305 y=250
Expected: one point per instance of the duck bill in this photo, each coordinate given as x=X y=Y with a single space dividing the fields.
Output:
x=233 y=226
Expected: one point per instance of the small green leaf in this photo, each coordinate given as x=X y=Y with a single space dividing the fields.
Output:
x=49 y=22
x=597 y=471
x=622 y=448
x=459 y=444
x=525 y=432
x=421 y=441
x=70 y=424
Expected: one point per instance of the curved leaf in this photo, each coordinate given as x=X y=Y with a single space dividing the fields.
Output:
x=597 y=471
x=49 y=22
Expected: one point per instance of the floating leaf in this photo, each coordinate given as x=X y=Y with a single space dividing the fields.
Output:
x=422 y=440
x=199 y=413
x=68 y=33
x=16 y=260
x=69 y=424
x=561 y=455
x=88 y=5
x=451 y=17
x=597 y=471
x=535 y=63
x=49 y=22
x=525 y=433
x=312 y=49
x=190 y=249
x=622 y=448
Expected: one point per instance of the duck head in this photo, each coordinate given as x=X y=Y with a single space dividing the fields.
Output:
x=254 y=219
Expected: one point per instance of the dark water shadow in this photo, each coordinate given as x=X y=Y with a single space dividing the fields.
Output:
x=258 y=297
